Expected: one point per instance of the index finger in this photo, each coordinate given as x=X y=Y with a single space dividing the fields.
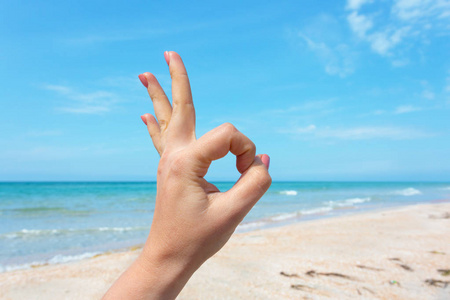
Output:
x=218 y=142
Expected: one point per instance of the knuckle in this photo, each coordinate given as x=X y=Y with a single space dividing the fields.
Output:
x=163 y=163
x=163 y=124
x=171 y=165
x=263 y=179
x=159 y=172
x=229 y=128
x=250 y=147
x=157 y=95
x=268 y=181
x=184 y=103
x=177 y=165
x=177 y=74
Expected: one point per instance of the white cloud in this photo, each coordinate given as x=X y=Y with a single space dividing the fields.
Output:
x=427 y=92
x=84 y=103
x=402 y=109
x=405 y=20
x=406 y=109
x=408 y=10
x=382 y=42
x=358 y=133
x=356 y=4
x=364 y=133
x=57 y=88
x=428 y=95
x=360 y=24
x=309 y=128
x=338 y=60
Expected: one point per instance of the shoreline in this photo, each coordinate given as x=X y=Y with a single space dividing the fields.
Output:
x=337 y=213
x=62 y=223
x=388 y=253
x=256 y=225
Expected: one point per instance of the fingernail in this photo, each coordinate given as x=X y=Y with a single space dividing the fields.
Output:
x=167 y=57
x=266 y=160
x=144 y=119
x=143 y=79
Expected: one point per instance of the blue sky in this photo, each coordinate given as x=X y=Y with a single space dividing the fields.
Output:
x=331 y=90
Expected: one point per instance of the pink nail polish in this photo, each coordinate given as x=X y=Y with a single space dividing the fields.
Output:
x=266 y=160
x=167 y=57
x=144 y=119
x=143 y=79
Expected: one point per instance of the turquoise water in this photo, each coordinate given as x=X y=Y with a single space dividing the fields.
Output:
x=57 y=222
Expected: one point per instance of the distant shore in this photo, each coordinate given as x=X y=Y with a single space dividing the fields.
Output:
x=401 y=253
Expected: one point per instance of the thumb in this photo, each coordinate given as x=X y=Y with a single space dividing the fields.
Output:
x=250 y=187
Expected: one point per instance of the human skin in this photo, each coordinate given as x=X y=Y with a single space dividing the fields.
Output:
x=192 y=219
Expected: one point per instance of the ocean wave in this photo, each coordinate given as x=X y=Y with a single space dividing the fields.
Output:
x=30 y=232
x=326 y=208
x=316 y=211
x=119 y=229
x=348 y=202
x=289 y=193
x=446 y=188
x=26 y=233
x=58 y=259
x=283 y=217
x=303 y=212
x=45 y=210
x=408 y=192
x=250 y=225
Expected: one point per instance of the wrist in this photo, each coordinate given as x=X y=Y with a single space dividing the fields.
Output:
x=163 y=274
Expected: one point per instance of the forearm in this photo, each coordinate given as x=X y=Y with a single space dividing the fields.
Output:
x=151 y=277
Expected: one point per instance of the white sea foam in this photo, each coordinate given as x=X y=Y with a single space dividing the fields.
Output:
x=293 y=215
x=446 y=188
x=357 y=200
x=30 y=232
x=119 y=229
x=408 y=192
x=348 y=202
x=289 y=193
x=318 y=210
x=26 y=233
x=250 y=226
x=58 y=259
x=283 y=217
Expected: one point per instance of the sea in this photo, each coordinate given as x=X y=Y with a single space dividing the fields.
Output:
x=55 y=222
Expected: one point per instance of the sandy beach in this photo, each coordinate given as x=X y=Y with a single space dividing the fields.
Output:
x=403 y=253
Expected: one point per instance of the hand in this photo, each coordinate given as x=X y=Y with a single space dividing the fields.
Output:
x=192 y=218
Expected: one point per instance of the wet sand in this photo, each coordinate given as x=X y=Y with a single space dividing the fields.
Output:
x=402 y=253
